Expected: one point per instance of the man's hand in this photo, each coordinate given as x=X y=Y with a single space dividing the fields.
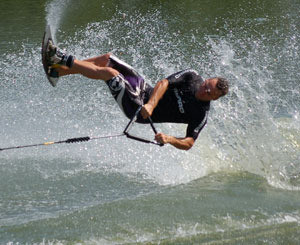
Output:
x=162 y=138
x=180 y=143
x=158 y=92
x=147 y=110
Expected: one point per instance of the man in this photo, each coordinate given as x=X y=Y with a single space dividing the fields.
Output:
x=182 y=97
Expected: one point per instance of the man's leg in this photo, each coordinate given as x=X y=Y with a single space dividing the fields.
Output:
x=123 y=81
x=94 y=68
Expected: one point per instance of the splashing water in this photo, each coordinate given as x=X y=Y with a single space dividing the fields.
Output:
x=55 y=14
x=245 y=130
x=242 y=127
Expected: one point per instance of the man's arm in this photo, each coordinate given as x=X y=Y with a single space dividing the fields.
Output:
x=158 y=92
x=147 y=110
x=179 y=143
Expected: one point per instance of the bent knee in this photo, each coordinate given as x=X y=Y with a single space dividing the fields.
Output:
x=109 y=73
x=107 y=56
x=102 y=60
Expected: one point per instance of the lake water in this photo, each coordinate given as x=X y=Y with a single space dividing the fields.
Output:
x=239 y=184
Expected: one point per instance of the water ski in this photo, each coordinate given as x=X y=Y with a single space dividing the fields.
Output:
x=45 y=59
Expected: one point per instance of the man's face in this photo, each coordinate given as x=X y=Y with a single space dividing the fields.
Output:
x=209 y=91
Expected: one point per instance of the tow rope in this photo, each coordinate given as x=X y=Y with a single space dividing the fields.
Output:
x=88 y=138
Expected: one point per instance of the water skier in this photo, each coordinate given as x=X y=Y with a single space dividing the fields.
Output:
x=182 y=97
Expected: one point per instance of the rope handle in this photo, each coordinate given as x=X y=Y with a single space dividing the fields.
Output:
x=130 y=124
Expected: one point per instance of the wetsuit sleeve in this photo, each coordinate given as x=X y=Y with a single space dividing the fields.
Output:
x=181 y=77
x=194 y=128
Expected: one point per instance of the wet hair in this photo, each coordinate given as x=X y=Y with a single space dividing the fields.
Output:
x=222 y=85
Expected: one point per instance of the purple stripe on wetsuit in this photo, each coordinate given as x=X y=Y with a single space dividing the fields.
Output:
x=133 y=84
x=134 y=81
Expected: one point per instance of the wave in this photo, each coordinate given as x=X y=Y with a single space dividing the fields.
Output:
x=172 y=215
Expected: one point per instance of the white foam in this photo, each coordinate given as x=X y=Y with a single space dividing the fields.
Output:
x=55 y=14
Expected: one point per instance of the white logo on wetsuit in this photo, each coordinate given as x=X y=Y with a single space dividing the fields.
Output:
x=116 y=83
x=185 y=71
x=179 y=101
x=196 y=130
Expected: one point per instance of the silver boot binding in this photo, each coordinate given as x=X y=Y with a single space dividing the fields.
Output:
x=58 y=57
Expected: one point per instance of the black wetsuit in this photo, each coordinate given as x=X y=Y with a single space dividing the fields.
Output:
x=178 y=104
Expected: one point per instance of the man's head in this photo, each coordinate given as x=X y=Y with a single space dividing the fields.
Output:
x=213 y=89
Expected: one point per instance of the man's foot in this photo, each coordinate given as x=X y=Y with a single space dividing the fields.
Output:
x=57 y=57
x=52 y=72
